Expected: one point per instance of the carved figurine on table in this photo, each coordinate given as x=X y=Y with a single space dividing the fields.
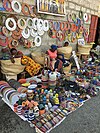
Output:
x=56 y=99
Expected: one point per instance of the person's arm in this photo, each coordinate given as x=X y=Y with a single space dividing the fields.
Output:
x=19 y=54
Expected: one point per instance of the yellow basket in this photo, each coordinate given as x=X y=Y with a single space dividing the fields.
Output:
x=84 y=49
x=66 y=51
x=8 y=68
x=38 y=58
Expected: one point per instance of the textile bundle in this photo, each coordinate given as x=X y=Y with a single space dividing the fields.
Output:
x=31 y=67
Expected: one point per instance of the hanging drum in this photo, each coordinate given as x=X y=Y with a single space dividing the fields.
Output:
x=35 y=20
x=80 y=14
x=26 y=33
x=21 y=23
x=40 y=24
x=33 y=33
x=56 y=26
x=69 y=17
x=29 y=22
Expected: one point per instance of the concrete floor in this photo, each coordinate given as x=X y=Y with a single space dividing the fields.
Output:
x=84 y=120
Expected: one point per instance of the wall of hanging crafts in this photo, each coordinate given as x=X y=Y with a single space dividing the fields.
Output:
x=25 y=30
x=77 y=29
x=72 y=29
x=57 y=30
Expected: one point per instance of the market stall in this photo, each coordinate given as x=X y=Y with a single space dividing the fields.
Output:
x=45 y=83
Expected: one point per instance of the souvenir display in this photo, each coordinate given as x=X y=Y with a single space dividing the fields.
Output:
x=45 y=84
x=45 y=101
x=48 y=107
x=17 y=28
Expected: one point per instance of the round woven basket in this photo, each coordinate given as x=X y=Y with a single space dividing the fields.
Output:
x=38 y=58
x=66 y=51
x=84 y=49
x=8 y=68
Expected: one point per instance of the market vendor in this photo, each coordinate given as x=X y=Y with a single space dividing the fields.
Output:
x=15 y=54
x=55 y=63
x=66 y=44
x=52 y=53
x=10 y=54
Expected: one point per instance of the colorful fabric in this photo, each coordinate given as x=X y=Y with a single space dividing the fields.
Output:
x=31 y=67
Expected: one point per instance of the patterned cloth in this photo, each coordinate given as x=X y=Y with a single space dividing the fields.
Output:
x=31 y=67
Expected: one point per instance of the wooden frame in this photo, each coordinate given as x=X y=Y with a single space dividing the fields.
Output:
x=43 y=6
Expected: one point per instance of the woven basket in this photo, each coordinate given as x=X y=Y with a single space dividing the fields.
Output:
x=66 y=51
x=67 y=69
x=8 y=68
x=84 y=49
x=38 y=58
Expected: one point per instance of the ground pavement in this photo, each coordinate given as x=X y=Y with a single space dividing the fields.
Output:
x=84 y=120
